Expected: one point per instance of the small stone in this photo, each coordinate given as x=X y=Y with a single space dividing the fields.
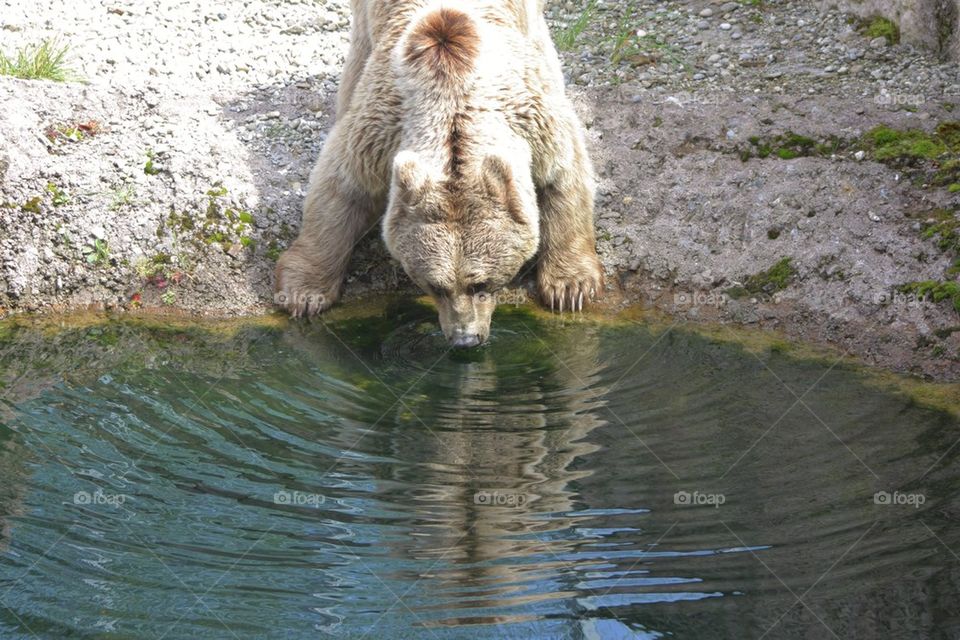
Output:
x=706 y=13
x=714 y=58
x=860 y=155
x=725 y=26
x=873 y=216
x=703 y=25
x=878 y=43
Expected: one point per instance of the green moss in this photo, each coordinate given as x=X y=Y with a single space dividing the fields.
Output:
x=937 y=291
x=797 y=140
x=215 y=222
x=890 y=144
x=948 y=174
x=944 y=227
x=788 y=146
x=949 y=132
x=157 y=265
x=954 y=188
x=32 y=205
x=774 y=279
x=881 y=27
x=928 y=158
x=273 y=251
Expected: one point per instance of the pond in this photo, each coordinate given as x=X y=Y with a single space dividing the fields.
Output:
x=353 y=477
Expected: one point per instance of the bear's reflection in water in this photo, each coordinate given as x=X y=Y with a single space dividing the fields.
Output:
x=493 y=461
x=482 y=446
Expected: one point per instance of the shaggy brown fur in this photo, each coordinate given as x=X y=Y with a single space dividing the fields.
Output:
x=453 y=122
x=446 y=42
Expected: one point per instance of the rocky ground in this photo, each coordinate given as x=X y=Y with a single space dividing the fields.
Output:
x=741 y=175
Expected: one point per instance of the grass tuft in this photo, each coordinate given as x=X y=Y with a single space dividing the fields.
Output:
x=567 y=38
x=46 y=61
x=884 y=28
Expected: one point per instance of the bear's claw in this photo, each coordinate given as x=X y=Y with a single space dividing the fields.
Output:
x=570 y=293
x=303 y=303
x=297 y=291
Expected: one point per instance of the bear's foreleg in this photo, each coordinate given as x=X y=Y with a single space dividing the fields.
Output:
x=336 y=214
x=569 y=271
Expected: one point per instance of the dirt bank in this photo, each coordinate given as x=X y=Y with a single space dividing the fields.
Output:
x=742 y=174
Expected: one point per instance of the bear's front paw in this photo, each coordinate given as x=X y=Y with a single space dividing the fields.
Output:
x=301 y=292
x=566 y=283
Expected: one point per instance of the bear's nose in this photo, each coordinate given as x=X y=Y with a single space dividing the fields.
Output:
x=465 y=341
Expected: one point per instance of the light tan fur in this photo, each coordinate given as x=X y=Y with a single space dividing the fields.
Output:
x=452 y=119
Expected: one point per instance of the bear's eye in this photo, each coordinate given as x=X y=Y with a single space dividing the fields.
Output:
x=481 y=287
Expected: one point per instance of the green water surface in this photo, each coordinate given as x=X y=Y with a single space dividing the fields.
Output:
x=354 y=478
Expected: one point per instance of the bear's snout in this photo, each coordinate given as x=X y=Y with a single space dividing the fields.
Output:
x=465 y=319
x=465 y=341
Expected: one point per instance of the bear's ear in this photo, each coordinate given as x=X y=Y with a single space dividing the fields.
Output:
x=500 y=186
x=410 y=178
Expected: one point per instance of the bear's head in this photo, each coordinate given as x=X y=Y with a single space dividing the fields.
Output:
x=461 y=240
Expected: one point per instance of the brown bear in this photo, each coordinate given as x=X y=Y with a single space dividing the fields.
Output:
x=453 y=125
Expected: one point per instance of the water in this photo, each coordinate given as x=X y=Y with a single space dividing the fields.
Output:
x=355 y=479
